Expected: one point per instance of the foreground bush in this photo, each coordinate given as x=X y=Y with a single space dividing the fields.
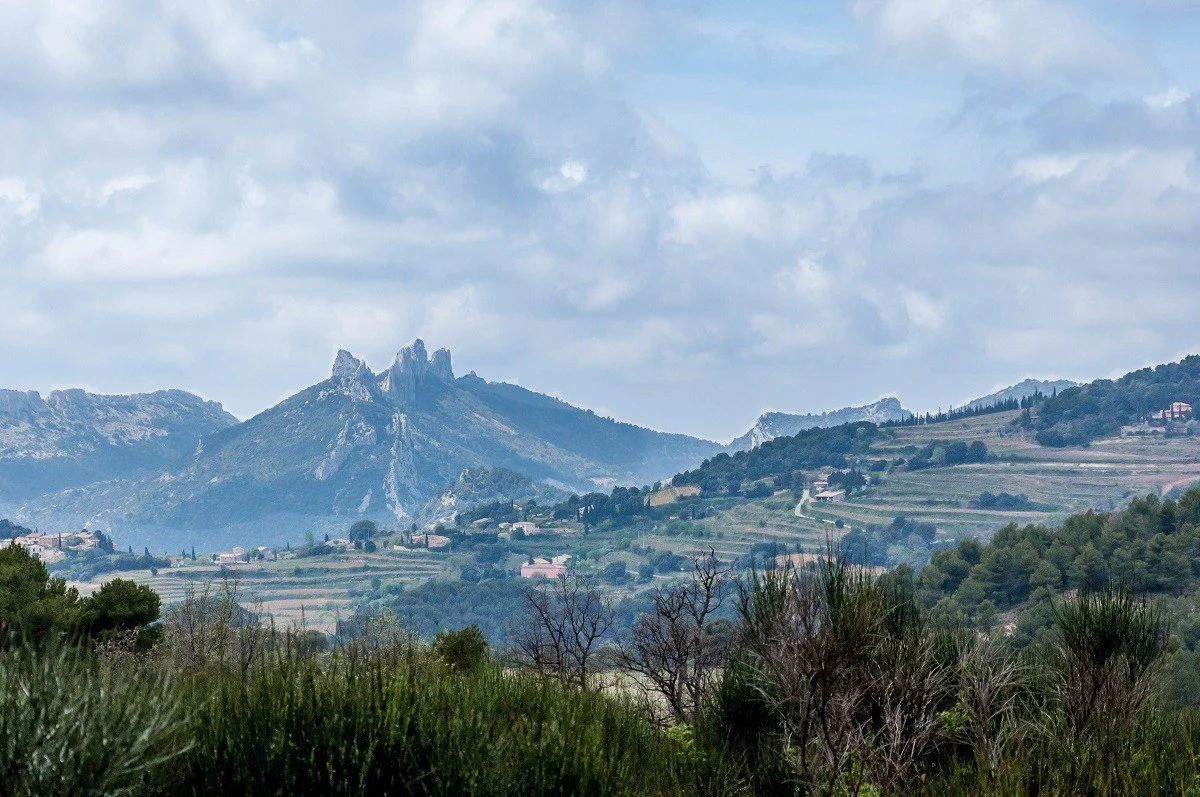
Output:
x=840 y=689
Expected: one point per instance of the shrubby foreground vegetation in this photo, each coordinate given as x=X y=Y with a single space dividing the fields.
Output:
x=815 y=679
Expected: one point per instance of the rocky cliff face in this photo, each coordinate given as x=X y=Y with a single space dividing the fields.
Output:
x=72 y=437
x=379 y=446
x=781 y=424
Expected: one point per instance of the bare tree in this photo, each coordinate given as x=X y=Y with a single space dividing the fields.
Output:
x=564 y=625
x=211 y=626
x=673 y=650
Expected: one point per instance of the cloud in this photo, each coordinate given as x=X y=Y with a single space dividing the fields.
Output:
x=262 y=184
x=1016 y=38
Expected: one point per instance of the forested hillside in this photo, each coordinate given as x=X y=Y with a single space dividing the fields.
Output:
x=1099 y=409
x=1151 y=548
x=783 y=458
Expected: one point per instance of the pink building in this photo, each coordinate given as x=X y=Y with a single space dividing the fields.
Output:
x=544 y=568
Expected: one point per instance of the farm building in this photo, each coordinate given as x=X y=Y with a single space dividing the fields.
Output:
x=546 y=568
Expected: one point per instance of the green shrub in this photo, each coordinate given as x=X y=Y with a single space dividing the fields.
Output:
x=462 y=650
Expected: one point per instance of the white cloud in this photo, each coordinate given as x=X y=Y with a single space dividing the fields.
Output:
x=1168 y=98
x=1023 y=38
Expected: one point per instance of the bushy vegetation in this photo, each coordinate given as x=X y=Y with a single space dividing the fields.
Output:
x=356 y=721
x=386 y=722
x=902 y=540
x=1099 y=409
x=72 y=724
x=37 y=607
x=436 y=606
x=86 y=566
x=1002 y=502
x=783 y=459
x=1152 y=547
x=958 y=452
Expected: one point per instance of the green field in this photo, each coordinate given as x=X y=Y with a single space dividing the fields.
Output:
x=314 y=592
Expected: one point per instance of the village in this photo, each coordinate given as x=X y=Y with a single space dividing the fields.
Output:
x=53 y=548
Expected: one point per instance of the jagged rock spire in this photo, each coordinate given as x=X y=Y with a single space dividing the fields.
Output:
x=439 y=365
x=412 y=366
x=352 y=376
x=347 y=366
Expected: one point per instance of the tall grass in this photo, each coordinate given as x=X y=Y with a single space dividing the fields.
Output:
x=398 y=723
x=1158 y=755
x=70 y=725
x=835 y=688
x=352 y=722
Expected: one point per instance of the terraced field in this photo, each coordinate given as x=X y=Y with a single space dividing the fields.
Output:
x=1103 y=476
x=313 y=592
x=1058 y=482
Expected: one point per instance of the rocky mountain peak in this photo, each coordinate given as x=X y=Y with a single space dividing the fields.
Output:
x=352 y=376
x=782 y=424
x=405 y=379
x=347 y=366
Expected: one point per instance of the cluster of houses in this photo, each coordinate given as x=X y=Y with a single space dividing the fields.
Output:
x=51 y=548
x=240 y=555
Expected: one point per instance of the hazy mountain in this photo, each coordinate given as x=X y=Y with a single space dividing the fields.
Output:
x=72 y=437
x=781 y=424
x=360 y=444
x=1022 y=390
x=485 y=486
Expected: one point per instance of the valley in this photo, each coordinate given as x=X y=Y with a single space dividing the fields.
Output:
x=317 y=591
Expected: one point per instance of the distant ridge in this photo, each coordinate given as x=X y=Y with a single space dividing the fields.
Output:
x=72 y=437
x=1022 y=390
x=781 y=424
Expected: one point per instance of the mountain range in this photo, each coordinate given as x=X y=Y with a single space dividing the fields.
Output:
x=412 y=443
x=71 y=438
x=365 y=445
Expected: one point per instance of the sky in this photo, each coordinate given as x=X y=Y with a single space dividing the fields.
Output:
x=678 y=213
